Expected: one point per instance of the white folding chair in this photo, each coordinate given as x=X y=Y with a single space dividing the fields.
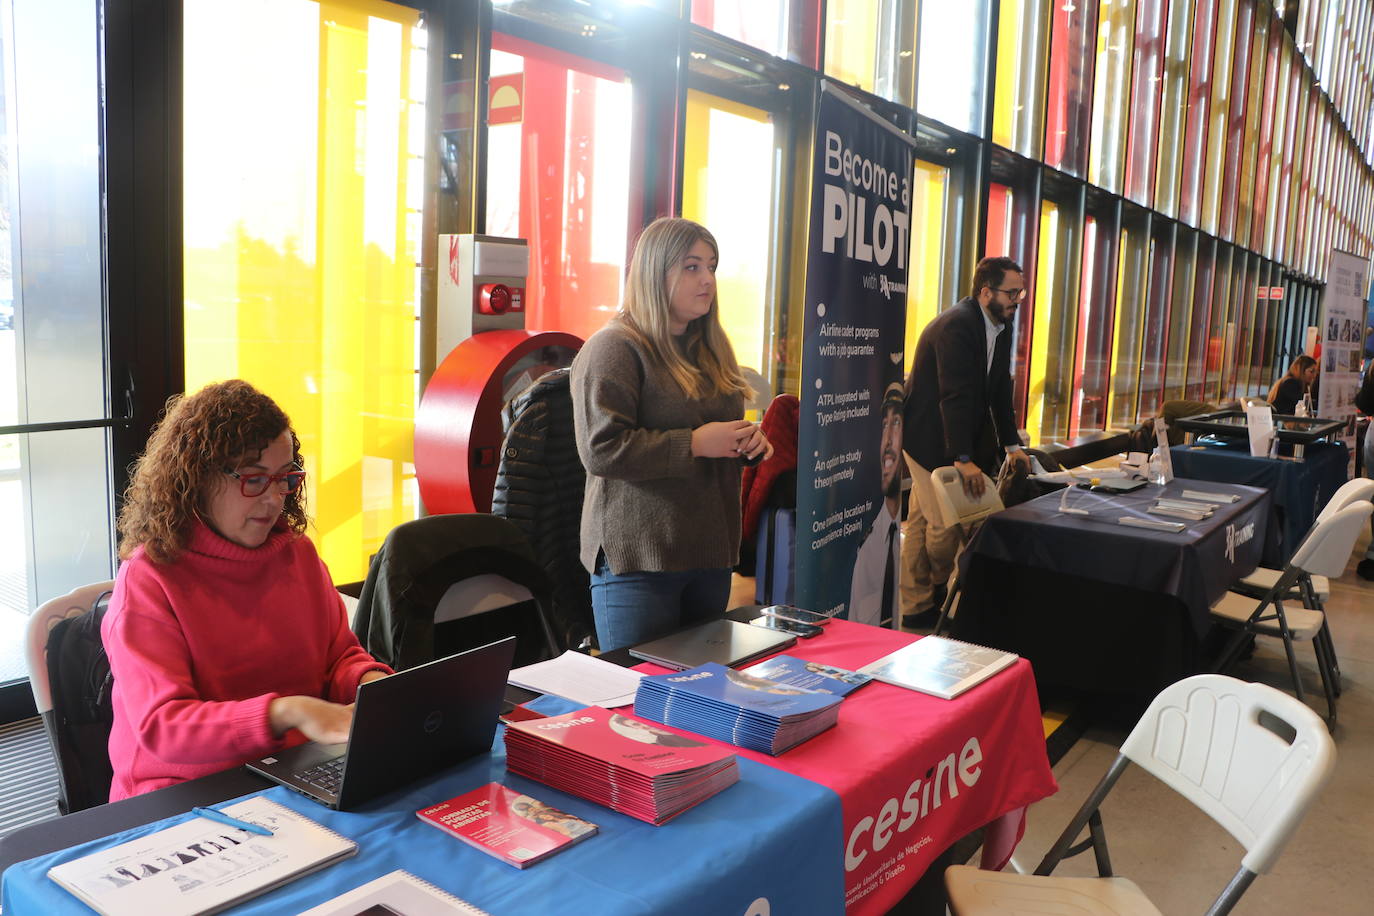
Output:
x=1361 y=489
x=1250 y=757
x=1313 y=591
x=1324 y=552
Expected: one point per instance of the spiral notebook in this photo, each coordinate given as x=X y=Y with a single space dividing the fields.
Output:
x=398 y=892
x=203 y=866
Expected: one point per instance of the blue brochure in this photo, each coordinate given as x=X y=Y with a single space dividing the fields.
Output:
x=796 y=672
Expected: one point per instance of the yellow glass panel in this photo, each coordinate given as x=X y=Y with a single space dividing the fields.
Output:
x=1007 y=102
x=727 y=187
x=1223 y=59
x=926 y=295
x=1246 y=209
x=1115 y=33
x=302 y=236
x=1046 y=262
x=851 y=44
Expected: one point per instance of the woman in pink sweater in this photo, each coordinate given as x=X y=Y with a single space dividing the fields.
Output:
x=226 y=637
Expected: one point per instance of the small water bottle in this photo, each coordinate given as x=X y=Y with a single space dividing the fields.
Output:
x=1155 y=471
x=1302 y=408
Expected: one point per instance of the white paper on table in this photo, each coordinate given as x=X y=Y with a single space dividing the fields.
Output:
x=1259 y=418
x=1082 y=474
x=580 y=678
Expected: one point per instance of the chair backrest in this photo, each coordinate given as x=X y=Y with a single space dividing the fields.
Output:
x=1253 y=758
x=70 y=679
x=1326 y=549
x=956 y=508
x=446 y=583
x=1361 y=489
x=73 y=604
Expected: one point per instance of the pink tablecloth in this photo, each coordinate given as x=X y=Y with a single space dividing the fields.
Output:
x=915 y=773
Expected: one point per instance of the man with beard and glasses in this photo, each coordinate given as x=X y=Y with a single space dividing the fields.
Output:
x=875 y=586
x=958 y=412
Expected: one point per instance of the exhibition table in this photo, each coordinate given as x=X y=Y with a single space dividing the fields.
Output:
x=1299 y=489
x=846 y=821
x=1098 y=605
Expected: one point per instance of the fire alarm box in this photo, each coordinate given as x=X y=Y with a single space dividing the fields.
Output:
x=481 y=287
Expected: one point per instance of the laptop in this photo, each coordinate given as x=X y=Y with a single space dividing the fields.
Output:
x=405 y=727
x=723 y=641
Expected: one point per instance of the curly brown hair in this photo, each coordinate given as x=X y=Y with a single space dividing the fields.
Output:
x=221 y=426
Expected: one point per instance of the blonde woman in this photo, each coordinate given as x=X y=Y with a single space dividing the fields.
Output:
x=658 y=401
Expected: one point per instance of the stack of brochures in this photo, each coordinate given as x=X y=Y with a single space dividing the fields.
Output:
x=626 y=764
x=748 y=711
x=798 y=672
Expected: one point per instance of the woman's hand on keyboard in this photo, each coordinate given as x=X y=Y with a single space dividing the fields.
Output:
x=319 y=720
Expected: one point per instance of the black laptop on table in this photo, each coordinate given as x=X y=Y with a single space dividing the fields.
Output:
x=406 y=726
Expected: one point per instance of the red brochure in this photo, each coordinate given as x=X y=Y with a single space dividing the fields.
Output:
x=514 y=828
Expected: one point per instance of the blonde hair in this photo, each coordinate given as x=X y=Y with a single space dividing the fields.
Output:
x=704 y=364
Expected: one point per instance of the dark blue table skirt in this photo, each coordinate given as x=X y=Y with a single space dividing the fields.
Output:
x=1101 y=606
x=1299 y=489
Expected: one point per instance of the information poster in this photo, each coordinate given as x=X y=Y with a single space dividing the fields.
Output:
x=1343 y=334
x=849 y=454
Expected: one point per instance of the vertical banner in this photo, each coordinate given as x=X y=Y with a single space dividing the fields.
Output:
x=1343 y=333
x=849 y=437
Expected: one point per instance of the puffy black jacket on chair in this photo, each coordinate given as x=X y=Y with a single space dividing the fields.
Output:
x=539 y=487
x=418 y=562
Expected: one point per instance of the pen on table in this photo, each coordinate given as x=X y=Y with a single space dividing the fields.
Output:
x=223 y=818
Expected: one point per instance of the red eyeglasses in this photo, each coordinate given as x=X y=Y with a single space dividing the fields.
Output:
x=256 y=484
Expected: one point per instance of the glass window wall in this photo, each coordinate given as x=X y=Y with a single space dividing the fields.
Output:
x=1180 y=314
x=1112 y=71
x=1023 y=32
x=1158 y=305
x=1132 y=283
x=1093 y=351
x=1068 y=118
x=759 y=23
x=1146 y=73
x=1173 y=104
x=302 y=239
x=1058 y=279
x=558 y=167
x=953 y=63
x=728 y=186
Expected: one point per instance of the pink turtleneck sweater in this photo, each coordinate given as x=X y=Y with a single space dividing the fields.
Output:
x=200 y=646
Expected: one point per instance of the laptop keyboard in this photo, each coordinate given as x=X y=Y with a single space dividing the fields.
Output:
x=326 y=776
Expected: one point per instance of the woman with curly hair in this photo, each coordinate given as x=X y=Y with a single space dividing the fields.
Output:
x=658 y=401
x=226 y=637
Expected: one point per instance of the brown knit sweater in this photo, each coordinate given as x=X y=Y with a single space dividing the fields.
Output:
x=650 y=505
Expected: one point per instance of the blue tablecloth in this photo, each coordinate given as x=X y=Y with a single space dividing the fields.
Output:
x=1299 y=488
x=771 y=836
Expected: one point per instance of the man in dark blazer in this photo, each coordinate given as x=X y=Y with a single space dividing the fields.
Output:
x=958 y=412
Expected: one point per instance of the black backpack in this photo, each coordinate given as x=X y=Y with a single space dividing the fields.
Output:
x=79 y=723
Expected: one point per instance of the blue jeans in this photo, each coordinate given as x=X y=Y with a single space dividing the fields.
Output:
x=638 y=606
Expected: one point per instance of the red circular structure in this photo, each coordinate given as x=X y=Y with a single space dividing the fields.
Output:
x=458 y=423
